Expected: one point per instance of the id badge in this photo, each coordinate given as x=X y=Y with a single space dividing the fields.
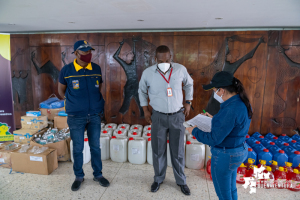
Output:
x=169 y=91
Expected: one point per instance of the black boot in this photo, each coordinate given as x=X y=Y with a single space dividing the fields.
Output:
x=76 y=185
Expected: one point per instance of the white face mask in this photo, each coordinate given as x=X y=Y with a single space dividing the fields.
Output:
x=164 y=67
x=218 y=98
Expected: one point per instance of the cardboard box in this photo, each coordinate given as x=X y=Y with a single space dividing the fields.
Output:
x=36 y=123
x=44 y=163
x=60 y=122
x=51 y=113
x=24 y=136
x=62 y=147
x=5 y=155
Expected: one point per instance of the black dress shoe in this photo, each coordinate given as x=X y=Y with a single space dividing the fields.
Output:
x=155 y=186
x=185 y=189
x=102 y=181
x=76 y=185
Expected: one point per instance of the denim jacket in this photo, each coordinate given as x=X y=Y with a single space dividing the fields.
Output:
x=229 y=126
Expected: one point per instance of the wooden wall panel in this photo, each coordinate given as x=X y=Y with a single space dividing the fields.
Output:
x=271 y=82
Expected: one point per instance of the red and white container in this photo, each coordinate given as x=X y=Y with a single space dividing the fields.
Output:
x=137 y=150
x=137 y=127
x=195 y=155
x=118 y=148
x=147 y=128
x=104 y=146
x=86 y=151
x=120 y=132
x=124 y=127
x=147 y=135
x=134 y=133
x=106 y=131
x=112 y=126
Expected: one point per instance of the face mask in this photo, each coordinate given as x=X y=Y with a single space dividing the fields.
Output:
x=86 y=58
x=164 y=67
x=218 y=98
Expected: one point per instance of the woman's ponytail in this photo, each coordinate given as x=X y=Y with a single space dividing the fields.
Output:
x=238 y=88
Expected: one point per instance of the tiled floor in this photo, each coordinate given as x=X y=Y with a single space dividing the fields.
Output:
x=127 y=182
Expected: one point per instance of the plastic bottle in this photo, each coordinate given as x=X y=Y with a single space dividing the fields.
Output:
x=281 y=158
x=124 y=127
x=269 y=180
x=295 y=181
x=137 y=150
x=149 y=152
x=86 y=151
x=258 y=147
x=295 y=159
x=296 y=137
x=120 y=132
x=251 y=155
x=288 y=150
x=195 y=155
x=208 y=165
x=249 y=164
x=118 y=148
x=274 y=139
x=106 y=131
x=280 y=178
x=269 y=136
x=274 y=166
x=241 y=172
x=262 y=163
x=271 y=144
x=274 y=149
x=147 y=135
x=134 y=133
x=251 y=141
x=256 y=135
x=147 y=128
x=104 y=146
x=289 y=173
x=137 y=127
x=285 y=138
x=265 y=141
x=280 y=143
x=265 y=155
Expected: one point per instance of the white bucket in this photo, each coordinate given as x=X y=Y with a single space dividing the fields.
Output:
x=124 y=126
x=86 y=151
x=137 y=150
x=134 y=133
x=149 y=152
x=112 y=126
x=147 y=128
x=137 y=127
x=118 y=148
x=195 y=155
x=120 y=132
x=104 y=145
x=106 y=131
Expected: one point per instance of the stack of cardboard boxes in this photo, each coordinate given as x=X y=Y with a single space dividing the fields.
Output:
x=57 y=121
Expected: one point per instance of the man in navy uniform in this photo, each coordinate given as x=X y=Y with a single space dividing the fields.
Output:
x=80 y=83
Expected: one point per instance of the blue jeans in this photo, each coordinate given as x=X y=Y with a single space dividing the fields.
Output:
x=77 y=125
x=224 y=164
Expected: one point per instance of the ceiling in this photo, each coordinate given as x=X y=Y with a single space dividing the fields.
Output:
x=109 y=15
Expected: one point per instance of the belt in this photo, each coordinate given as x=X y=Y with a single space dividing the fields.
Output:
x=229 y=147
x=169 y=113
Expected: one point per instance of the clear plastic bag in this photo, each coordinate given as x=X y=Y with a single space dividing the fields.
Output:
x=41 y=150
x=12 y=146
x=24 y=148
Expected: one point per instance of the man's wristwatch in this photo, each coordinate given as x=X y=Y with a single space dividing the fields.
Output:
x=189 y=102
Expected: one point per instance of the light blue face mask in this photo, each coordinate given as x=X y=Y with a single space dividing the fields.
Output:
x=217 y=97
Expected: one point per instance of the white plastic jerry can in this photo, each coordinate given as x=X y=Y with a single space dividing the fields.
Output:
x=207 y=153
x=192 y=138
x=112 y=126
x=137 y=127
x=147 y=135
x=86 y=151
x=168 y=154
x=104 y=146
x=195 y=155
x=149 y=152
x=137 y=150
x=134 y=133
x=118 y=148
x=120 y=132
x=124 y=127
x=147 y=128
x=107 y=131
x=102 y=125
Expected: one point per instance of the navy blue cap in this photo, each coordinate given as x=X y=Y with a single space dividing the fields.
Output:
x=82 y=45
x=220 y=79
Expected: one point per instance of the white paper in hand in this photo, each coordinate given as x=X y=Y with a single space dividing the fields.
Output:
x=201 y=121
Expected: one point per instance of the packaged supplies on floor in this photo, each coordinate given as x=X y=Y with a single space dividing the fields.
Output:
x=33 y=113
x=5 y=153
x=54 y=139
x=52 y=103
x=36 y=160
x=24 y=136
x=51 y=113
x=36 y=123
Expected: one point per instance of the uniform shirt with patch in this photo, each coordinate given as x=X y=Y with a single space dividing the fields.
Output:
x=82 y=93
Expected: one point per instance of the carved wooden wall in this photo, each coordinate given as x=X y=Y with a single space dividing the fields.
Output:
x=270 y=74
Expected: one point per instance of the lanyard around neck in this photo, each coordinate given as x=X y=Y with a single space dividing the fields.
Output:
x=168 y=81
